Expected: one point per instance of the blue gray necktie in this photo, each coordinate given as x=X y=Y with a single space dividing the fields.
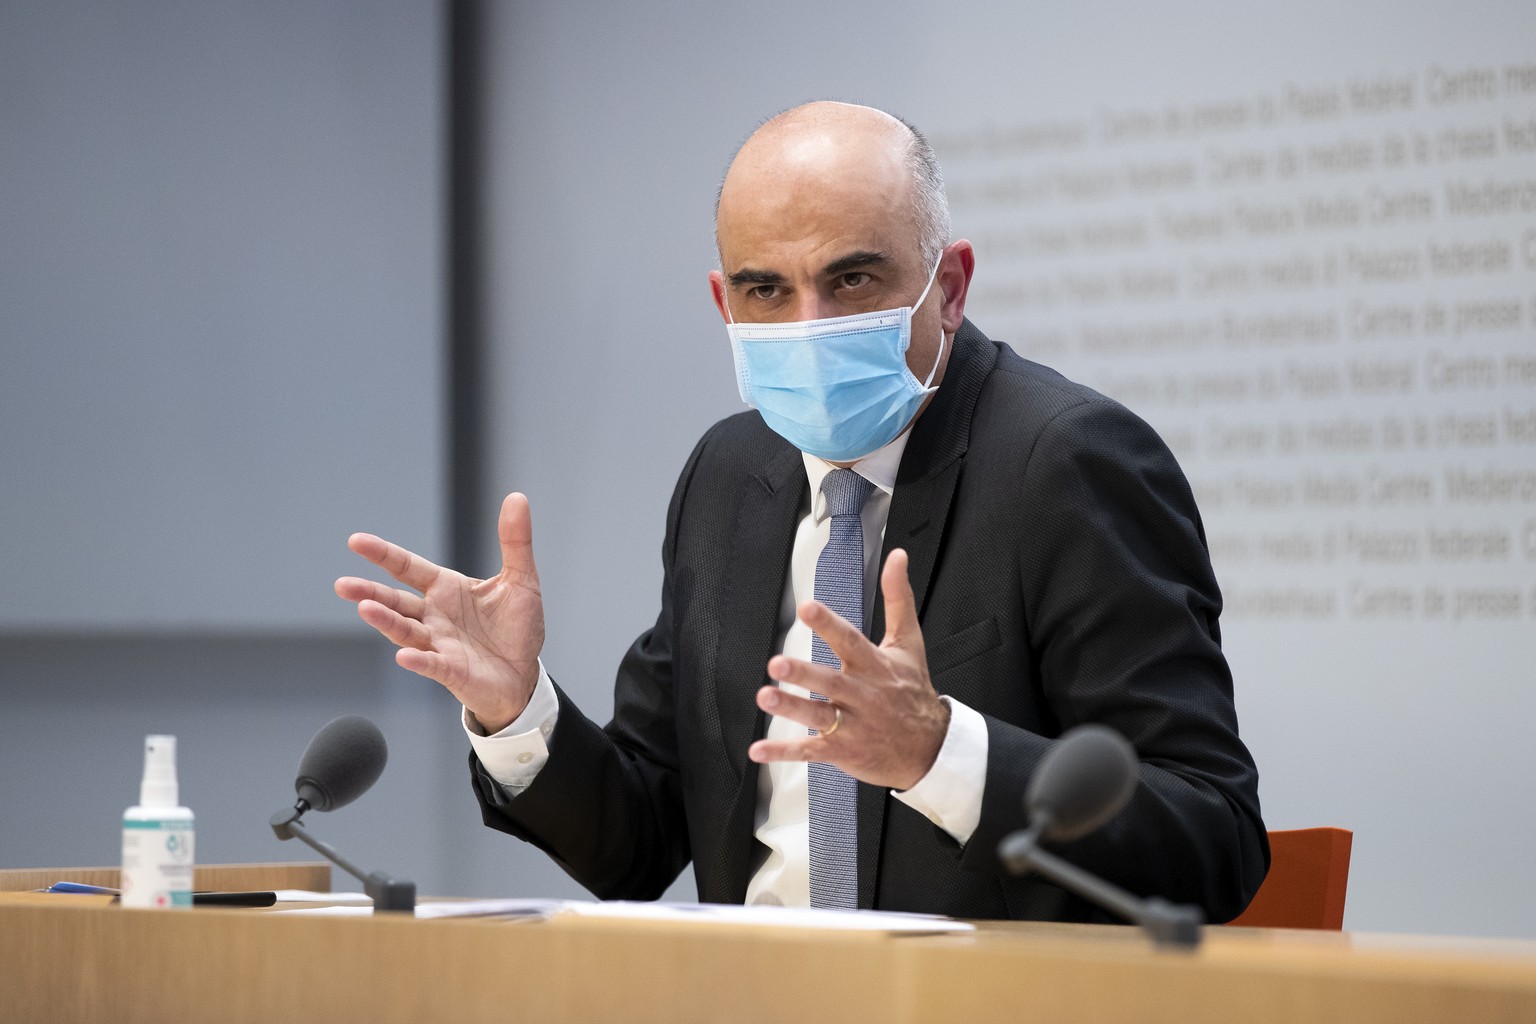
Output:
x=833 y=794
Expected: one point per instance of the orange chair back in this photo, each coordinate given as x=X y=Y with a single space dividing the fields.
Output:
x=1308 y=872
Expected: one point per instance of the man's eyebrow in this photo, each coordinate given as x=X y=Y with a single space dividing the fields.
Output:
x=861 y=260
x=749 y=276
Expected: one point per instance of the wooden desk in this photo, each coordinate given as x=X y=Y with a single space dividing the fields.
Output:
x=71 y=958
x=312 y=875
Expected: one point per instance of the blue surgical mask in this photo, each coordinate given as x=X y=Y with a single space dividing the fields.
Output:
x=837 y=388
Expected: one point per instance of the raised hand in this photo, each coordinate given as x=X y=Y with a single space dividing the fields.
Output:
x=479 y=638
x=886 y=722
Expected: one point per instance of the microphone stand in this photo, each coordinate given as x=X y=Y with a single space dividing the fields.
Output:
x=387 y=893
x=1169 y=924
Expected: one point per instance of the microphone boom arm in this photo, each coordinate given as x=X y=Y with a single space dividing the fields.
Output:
x=387 y=893
x=1169 y=924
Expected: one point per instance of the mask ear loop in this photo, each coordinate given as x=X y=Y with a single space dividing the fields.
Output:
x=933 y=276
x=936 y=359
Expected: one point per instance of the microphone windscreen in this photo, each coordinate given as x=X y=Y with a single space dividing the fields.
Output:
x=342 y=761
x=1086 y=777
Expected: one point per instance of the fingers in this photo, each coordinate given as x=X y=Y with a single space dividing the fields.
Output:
x=394 y=613
x=859 y=656
x=424 y=663
x=514 y=529
x=892 y=723
x=402 y=631
x=901 y=625
x=356 y=590
x=407 y=567
x=822 y=679
x=820 y=715
x=851 y=646
x=811 y=748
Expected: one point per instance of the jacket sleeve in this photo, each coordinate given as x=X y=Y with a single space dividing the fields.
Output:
x=607 y=805
x=1121 y=606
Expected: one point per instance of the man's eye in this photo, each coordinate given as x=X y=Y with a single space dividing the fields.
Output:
x=854 y=279
x=764 y=292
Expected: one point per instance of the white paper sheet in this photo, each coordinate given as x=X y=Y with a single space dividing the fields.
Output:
x=693 y=913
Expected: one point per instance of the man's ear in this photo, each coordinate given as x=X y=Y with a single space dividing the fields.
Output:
x=954 y=280
x=717 y=290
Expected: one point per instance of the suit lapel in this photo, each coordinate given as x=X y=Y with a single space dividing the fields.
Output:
x=920 y=505
x=930 y=469
x=918 y=513
x=767 y=512
x=764 y=535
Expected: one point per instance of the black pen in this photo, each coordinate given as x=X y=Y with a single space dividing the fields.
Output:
x=233 y=899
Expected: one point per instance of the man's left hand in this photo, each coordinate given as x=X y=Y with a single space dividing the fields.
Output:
x=892 y=722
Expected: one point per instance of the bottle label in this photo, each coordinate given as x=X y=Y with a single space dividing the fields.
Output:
x=157 y=863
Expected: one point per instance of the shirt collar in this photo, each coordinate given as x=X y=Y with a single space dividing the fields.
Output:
x=878 y=467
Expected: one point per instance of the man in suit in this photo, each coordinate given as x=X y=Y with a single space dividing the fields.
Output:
x=1032 y=559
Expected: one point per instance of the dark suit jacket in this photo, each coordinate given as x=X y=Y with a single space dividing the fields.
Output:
x=1061 y=576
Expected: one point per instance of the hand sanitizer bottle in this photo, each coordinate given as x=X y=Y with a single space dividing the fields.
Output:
x=157 y=835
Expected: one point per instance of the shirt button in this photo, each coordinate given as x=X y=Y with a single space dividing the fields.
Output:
x=524 y=757
x=546 y=729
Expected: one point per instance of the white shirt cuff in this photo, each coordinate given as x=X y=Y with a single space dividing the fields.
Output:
x=950 y=794
x=514 y=755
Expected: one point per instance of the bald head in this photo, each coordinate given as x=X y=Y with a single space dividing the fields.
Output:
x=838 y=152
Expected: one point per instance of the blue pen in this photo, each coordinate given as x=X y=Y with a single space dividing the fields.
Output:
x=81 y=887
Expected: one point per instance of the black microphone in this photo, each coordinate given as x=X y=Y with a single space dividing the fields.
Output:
x=1085 y=779
x=340 y=764
x=1082 y=782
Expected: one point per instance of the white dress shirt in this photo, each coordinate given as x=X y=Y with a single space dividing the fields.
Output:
x=949 y=795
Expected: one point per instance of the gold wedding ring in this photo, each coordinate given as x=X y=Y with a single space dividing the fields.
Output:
x=837 y=721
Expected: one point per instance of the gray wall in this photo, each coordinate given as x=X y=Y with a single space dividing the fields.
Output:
x=219 y=262
x=614 y=124
x=221 y=339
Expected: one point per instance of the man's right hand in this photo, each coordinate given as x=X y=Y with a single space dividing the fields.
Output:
x=479 y=638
